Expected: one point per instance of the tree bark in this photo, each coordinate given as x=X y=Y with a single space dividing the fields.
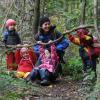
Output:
x=36 y=16
x=83 y=11
x=97 y=29
x=43 y=7
x=96 y=17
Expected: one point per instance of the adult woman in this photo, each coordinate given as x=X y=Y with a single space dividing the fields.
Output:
x=47 y=33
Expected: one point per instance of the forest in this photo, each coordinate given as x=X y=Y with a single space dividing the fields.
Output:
x=78 y=73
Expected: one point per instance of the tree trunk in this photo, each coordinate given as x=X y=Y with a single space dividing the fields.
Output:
x=98 y=73
x=83 y=11
x=96 y=17
x=43 y=7
x=36 y=16
x=97 y=29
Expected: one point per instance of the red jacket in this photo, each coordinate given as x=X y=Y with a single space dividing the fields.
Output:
x=86 y=41
x=31 y=53
x=25 y=65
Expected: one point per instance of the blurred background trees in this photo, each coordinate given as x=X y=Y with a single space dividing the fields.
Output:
x=66 y=14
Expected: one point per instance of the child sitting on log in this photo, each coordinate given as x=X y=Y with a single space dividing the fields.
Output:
x=47 y=70
x=26 y=62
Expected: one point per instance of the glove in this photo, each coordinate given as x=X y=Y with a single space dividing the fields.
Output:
x=71 y=37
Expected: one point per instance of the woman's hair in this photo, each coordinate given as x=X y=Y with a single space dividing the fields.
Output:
x=43 y=20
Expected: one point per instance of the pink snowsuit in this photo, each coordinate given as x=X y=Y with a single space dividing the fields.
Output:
x=51 y=62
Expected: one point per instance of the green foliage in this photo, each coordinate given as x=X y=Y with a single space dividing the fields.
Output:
x=71 y=18
x=91 y=76
x=73 y=68
x=89 y=12
x=1 y=24
x=11 y=96
x=13 y=88
x=69 y=12
x=91 y=98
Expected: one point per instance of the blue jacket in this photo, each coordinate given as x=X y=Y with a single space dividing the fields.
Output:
x=11 y=37
x=60 y=45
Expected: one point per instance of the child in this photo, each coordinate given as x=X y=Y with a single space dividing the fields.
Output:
x=26 y=63
x=49 y=33
x=87 y=51
x=30 y=51
x=48 y=67
x=11 y=37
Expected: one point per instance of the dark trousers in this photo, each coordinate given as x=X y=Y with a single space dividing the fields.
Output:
x=87 y=62
x=41 y=74
x=61 y=55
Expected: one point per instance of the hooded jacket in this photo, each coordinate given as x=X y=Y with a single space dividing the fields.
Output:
x=11 y=37
x=51 y=35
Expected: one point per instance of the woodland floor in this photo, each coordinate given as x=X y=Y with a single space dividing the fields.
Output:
x=62 y=89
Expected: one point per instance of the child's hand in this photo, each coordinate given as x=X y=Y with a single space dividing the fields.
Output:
x=25 y=45
x=50 y=41
x=39 y=42
x=18 y=46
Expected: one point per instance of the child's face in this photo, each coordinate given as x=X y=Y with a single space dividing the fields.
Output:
x=12 y=27
x=47 y=53
x=25 y=54
x=46 y=27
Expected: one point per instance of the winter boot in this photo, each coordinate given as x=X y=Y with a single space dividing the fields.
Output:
x=45 y=82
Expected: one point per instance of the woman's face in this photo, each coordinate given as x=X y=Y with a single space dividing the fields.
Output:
x=46 y=27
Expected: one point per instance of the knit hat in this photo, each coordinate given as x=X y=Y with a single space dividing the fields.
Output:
x=43 y=20
x=10 y=22
x=83 y=30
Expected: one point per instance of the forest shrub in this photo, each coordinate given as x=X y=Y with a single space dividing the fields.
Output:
x=73 y=67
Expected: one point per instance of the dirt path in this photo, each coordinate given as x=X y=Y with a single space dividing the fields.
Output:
x=63 y=89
